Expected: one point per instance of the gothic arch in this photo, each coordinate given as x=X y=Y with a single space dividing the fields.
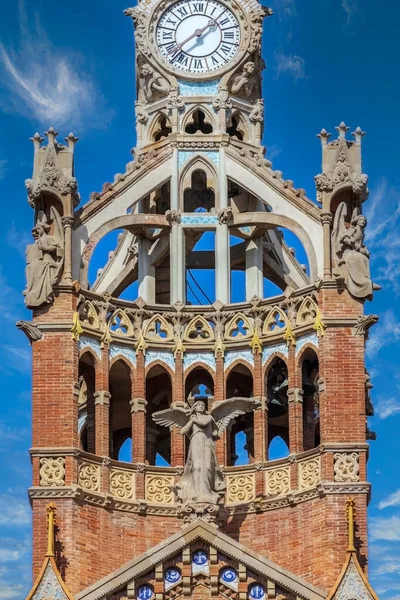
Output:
x=271 y=359
x=238 y=126
x=126 y=361
x=198 y=164
x=237 y=363
x=160 y=121
x=209 y=119
x=120 y=386
x=159 y=395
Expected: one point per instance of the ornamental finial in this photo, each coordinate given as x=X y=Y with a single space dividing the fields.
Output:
x=51 y=522
x=350 y=509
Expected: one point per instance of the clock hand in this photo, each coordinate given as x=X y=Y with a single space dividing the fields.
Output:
x=196 y=33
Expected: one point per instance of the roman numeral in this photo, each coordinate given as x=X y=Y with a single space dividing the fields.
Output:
x=198 y=64
x=198 y=7
x=225 y=49
x=214 y=60
x=167 y=35
x=229 y=35
x=171 y=48
x=224 y=22
x=183 y=59
x=182 y=11
x=173 y=23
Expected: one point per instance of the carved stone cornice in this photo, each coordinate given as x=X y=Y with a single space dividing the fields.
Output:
x=32 y=332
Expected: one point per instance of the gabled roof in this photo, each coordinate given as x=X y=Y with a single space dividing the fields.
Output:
x=209 y=534
x=352 y=582
x=49 y=584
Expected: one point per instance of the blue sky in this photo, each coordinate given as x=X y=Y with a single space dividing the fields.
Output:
x=70 y=64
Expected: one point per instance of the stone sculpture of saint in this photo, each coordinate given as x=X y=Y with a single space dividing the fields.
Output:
x=202 y=481
x=151 y=84
x=350 y=255
x=44 y=263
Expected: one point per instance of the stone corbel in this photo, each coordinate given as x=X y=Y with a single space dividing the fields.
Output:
x=364 y=323
x=32 y=332
x=295 y=395
x=102 y=398
x=138 y=405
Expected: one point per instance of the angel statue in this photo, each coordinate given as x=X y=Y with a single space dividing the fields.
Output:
x=350 y=255
x=44 y=260
x=202 y=480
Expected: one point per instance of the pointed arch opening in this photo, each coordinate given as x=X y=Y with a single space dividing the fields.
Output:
x=278 y=448
x=161 y=128
x=276 y=384
x=158 y=397
x=236 y=127
x=240 y=436
x=120 y=407
x=199 y=121
x=86 y=411
x=309 y=378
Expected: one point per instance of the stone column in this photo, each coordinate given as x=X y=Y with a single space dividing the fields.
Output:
x=222 y=246
x=254 y=268
x=67 y=224
x=295 y=400
x=102 y=416
x=178 y=394
x=261 y=414
x=138 y=412
x=147 y=272
x=326 y=218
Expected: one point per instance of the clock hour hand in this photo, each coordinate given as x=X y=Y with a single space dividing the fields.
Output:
x=178 y=47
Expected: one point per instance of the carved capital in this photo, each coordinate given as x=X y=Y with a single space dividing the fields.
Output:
x=219 y=103
x=32 y=332
x=173 y=217
x=102 y=398
x=67 y=221
x=326 y=217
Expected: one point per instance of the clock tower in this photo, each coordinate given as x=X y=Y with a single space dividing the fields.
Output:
x=199 y=380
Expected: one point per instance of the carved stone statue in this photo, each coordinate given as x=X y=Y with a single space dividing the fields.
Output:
x=350 y=255
x=43 y=261
x=202 y=480
x=245 y=84
x=151 y=84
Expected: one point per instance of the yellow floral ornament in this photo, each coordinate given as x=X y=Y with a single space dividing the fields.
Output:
x=289 y=336
x=319 y=325
x=76 y=329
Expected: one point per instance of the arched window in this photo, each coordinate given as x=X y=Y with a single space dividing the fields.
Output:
x=199 y=197
x=87 y=386
x=278 y=448
x=276 y=392
x=162 y=128
x=158 y=397
x=200 y=123
x=120 y=407
x=240 y=437
x=309 y=376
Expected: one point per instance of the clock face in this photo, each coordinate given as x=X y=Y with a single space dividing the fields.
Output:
x=198 y=36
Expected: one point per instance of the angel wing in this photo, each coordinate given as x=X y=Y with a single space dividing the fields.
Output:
x=58 y=230
x=171 y=417
x=339 y=229
x=226 y=411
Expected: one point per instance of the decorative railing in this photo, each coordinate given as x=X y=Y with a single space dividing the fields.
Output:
x=258 y=486
x=181 y=328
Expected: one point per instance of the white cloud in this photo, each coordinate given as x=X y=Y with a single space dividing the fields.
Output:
x=387 y=408
x=12 y=550
x=17 y=239
x=48 y=83
x=350 y=8
x=14 y=511
x=385 y=333
x=385 y=528
x=290 y=64
x=382 y=238
x=392 y=500
x=18 y=358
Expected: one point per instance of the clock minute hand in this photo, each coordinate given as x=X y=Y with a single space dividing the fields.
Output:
x=196 y=33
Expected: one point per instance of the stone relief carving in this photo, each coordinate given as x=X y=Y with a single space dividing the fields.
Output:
x=121 y=485
x=160 y=489
x=52 y=472
x=51 y=177
x=309 y=473
x=341 y=174
x=240 y=488
x=352 y=586
x=49 y=587
x=44 y=261
x=152 y=85
x=245 y=83
x=350 y=255
x=257 y=114
x=347 y=467
x=225 y=215
x=89 y=477
x=277 y=482
x=202 y=480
